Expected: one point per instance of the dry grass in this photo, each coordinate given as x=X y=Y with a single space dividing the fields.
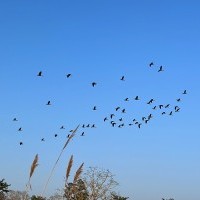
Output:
x=78 y=173
x=69 y=168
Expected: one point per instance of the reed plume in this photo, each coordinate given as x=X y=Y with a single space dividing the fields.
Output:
x=78 y=173
x=69 y=168
x=67 y=142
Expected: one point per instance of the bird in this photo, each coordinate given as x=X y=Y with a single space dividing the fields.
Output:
x=161 y=69
x=83 y=126
x=124 y=110
x=176 y=107
x=120 y=119
x=15 y=119
x=150 y=116
x=68 y=135
x=82 y=134
x=167 y=106
x=178 y=100
x=117 y=108
x=143 y=118
x=151 y=101
x=21 y=143
x=170 y=113
x=105 y=119
x=20 y=129
x=146 y=121
x=122 y=78
x=130 y=124
x=137 y=98
x=134 y=120
x=39 y=73
x=42 y=139
x=93 y=126
x=94 y=108
x=185 y=92
x=151 y=64
x=177 y=110
x=48 y=103
x=160 y=106
x=126 y=99
x=139 y=125
x=94 y=84
x=88 y=126
x=112 y=115
x=62 y=127
x=163 y=113
x=154 y=108
x=68 y=75
x=55 y=135
x=113 y=124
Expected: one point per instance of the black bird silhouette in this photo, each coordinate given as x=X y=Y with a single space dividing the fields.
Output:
x=88 y=126
x=151 y=64
x=68 y=75
x=42 y=139
x=146 y=121
x=15 y=119
x=124 y=110
x=94 y=108
x=154 y=107
x=150 y=116
x=117 y=108
x=163 y=113
x=48 y=103
x=134 y=120
x=143 y=118
x=177 y=110
x=137 y=98
x=21 y=143
x=170 y=113
x=151 y=101
x=113 y=124
x=20 y=129
x=62 y=127
x=130 y=124
x=139 y=125
x=120 y=119
x=105 y=119
x=160 y=106
x=185 y=92
x=93 y=126
x=82 y=134
x=40 y=73
x=167 y=106
x=161 y=69
x=126 y=99
x=94 y=84
x=83 y=126
x=55 y=135
x=122 y=78
x=112 y=115
x=178 y=100
x=68 y=135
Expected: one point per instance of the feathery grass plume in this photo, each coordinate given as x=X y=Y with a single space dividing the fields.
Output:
x=33 y=166
x=71 y=136
x=69 y=168
x=78 y=173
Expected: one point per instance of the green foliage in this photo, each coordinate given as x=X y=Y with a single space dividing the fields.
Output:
x=37 y=198
x=118 y=197
x=4 y=186
x=76 y=191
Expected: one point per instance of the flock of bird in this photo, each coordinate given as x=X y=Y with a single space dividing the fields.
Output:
x=120 y=122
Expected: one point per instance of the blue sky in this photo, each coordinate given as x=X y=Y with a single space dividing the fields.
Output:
x=101 y=41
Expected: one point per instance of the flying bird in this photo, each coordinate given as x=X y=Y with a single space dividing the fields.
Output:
x=137 y=98
x=68 y=75
x=21 y=143
x=120 y=119
x=139 y=125
x=122 y=78
x=167 y=106
x=94 y=84
x=105 y=119
x=83 y=126
x=42 y=139
x=62 y=127
x=48 y=103
x=82 y=134
x=151 y=101
x=124 y=110
x=94 y=108
x=126 y=99
x=161 y=69
x=93 y=126
x=20 y=129
x=112 y=115
x=163 y=113
x=117 y=108
x=15 y=119
x=154 y=107
x=170 y=113
x=40 y=73
x=178 y=100
x=151 y=64
x=160 y=106
x=185 y=92
x=55 y=135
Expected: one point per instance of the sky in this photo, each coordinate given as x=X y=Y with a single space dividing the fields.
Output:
x=101 y=41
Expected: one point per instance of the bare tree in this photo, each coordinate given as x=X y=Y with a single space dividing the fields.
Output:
x=17 y=195
x=99 y=183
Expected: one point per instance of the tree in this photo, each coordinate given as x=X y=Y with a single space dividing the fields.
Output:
x=118 y=197
x=17 y=195
x=3 y=189
x=99 y=183
x=34 y=197
x=76 y=191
